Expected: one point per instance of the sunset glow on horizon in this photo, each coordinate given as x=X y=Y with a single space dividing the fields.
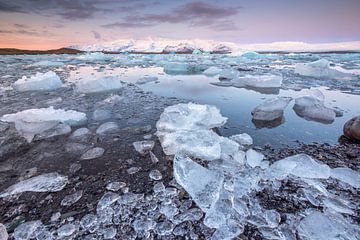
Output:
x=50 y=24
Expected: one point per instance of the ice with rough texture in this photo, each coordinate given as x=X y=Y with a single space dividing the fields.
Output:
x=300 y=165
x=39 y=115
x=48 y=182
x=322 y=69
x=147 y=79
x=212 y=71
x=28 y=230
x=106 y=128
x=312 y=107
x=346 y=175
x=177 y=68
x=202 y=184
x=271 y=109
x=40 y=82
x=3 y=233
x=259 y=81
x=253 y=158
x=66 y=230
x=101 y=84
x=93 y=153
x=144 y=147
x=242 y=139
x=72 y=198
x=319 y=226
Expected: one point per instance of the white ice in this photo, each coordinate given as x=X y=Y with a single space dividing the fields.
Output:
x=48 y=182
x=322 y=69
x=101 y=84
x=40 y=82
x=259 y=81
x=212 y=71
x=271 y=109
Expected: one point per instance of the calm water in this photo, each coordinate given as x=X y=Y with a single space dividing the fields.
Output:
x=237 y=104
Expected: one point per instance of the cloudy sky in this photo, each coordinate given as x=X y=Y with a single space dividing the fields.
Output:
x=44 y=24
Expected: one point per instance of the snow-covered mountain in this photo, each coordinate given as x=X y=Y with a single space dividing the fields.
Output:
x=188 y=46
x=159 y=45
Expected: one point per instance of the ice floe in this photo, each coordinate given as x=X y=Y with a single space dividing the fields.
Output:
x=39 y=82
x=101 y=84
x=48 y=182
x=312 y=107
x=271 y=109
x=322 y=69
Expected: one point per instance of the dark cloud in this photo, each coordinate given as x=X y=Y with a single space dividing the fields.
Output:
x=194 y=13
x=5 y=31
x=97 y=35
x=70 y=9
x=21 y=25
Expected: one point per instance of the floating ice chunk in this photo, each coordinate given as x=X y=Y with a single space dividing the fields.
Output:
x=319 y=226
x=202 y=184
x=178 y=68
x=69 y=117
x=155 y=175
x=253 y=158
x=143 y=147
x=94 y=56
x=242 y=139
x=259 y=81
x=48 y=64
x=57 y=130
x=190 y=116
x=321 y=69
x=230 y=151
x=106 y=128
x=40 y=82
x=93 y=153
x=271 y=109
x=204 y=144
x=346 y=175
x=228 y=73
x=212 y=71
x=300 y=165
x=101 y=84
x=48 y=182
x=144 y=80
x=312 y=107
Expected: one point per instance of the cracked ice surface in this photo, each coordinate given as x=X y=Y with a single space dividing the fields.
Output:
x=227 y=189
x=40 y=82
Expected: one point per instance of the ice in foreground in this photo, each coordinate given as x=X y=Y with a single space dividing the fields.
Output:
x=40 y=82
x=228 y=191
x=48 y=182
x=271 y=109
x=321 y=69
x=44 y=122
x=101 y=84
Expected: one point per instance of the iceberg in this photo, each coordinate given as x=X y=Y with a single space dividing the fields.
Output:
x=322 y=69
x=212 y=71
x=48 y=182
x=259 y=81
x=102 y=84
x=271 y=109
x=40 y=82
x=312 y=107
x=144 y=80
x=178 y=68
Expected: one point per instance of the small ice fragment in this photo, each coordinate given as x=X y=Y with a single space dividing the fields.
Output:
x=93 y=153
x=212 y=71
x=80 y=133
x=259 y=81
x=72 y=198
x=300 y=165
x=106 y=128
x=202 y=184
x=28 y=230
x=115 y=186
x=106 y=200
x=144 y=80
x=253 y=158
x=133 y=170
x=153 y=157
x=346 y=175
x=242 y=139
x=271 y=109
x=102 y=84
x=48 y=182
x=155 y=175
x=40 y=82
x=109 y=233
x=101 y=114
x=143 y=147
x=66 y=230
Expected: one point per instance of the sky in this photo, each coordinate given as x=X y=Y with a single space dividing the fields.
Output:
x=49 y=24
